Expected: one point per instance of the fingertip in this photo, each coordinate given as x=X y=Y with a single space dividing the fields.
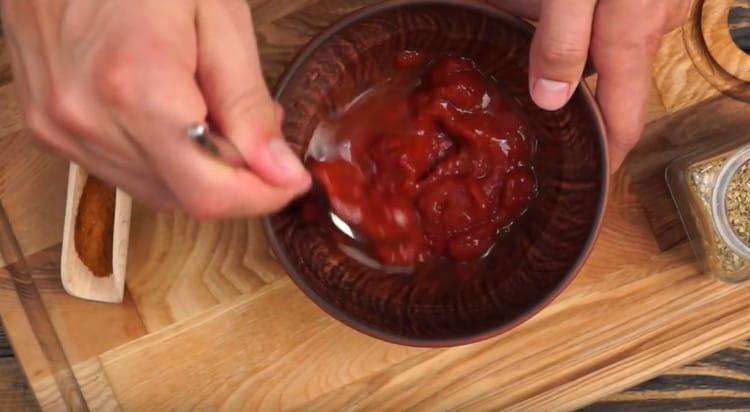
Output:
x=619 y=148
x=289 y=165
x=559 y=50
x=279 y=112
x=305 y=183
x=550 y=95
x=276 y=163
x=617 y=158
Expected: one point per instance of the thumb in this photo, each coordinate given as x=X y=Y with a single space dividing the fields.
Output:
x=559 y=51
x=238 y=100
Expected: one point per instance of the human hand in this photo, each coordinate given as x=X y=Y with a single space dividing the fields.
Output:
x=113 y=86
x=621 y=37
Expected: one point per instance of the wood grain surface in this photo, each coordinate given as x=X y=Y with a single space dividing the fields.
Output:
x=211 y=308
x=718 y=381
x=86 y=329
x=15 y=393
x=5 y=350
x=36 y=214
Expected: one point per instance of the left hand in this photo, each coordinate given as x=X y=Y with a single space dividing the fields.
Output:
x=621 y=37
x=112 y=85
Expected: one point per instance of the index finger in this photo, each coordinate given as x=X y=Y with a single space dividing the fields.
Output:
x=623 y=54
x=559 y=51
x=528 y=9
x=169 y=101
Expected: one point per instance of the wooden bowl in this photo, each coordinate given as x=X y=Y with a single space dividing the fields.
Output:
x=530 y=266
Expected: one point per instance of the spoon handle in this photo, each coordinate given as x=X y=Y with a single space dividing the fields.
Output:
x=219 y=146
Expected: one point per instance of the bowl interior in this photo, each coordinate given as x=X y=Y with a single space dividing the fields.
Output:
x=449 y=304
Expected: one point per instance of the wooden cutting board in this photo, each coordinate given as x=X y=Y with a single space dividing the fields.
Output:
x=211 y=321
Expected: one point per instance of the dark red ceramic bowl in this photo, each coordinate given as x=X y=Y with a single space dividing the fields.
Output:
x=530 y=266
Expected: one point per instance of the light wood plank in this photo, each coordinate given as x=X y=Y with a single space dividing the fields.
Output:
x=85 y=329
x=32 y=183
x=179 y=268
x=273 y=350
x=95 y=386
x=27 y=348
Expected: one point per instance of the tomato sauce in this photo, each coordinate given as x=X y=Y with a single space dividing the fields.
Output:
x=435 y=164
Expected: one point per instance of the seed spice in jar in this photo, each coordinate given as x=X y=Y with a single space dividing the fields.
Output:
x=738 y=203
x=702 y=182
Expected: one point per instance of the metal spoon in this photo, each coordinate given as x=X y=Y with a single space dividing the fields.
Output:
x=218 y=146
x=321 y=148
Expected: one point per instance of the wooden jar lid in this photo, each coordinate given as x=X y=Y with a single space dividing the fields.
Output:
x=716 y=34
x=713 y=51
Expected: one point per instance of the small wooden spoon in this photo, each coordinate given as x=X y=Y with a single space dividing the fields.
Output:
x=77 y=278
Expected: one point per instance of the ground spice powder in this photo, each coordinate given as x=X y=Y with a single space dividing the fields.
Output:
x=94 y=226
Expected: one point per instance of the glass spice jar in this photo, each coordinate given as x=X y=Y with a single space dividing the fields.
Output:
x=712 y=192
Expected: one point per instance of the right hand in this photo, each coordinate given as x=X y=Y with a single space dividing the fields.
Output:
x=113 y=85
x=622 y=38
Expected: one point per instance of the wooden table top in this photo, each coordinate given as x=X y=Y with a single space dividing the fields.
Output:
x=719 y=381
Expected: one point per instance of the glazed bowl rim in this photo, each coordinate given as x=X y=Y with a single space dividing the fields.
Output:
x=280 y=251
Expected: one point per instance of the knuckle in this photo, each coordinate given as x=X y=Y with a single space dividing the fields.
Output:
x=117 y=70
x=651 y=38
x=643 y=39
x=38 y=125
x=252 y=110
x=70 y=113
x=627 y=139
x=560 y=52
x=115 y=82
x=248 y=101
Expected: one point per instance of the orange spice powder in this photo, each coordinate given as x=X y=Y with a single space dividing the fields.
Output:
x=94 y=227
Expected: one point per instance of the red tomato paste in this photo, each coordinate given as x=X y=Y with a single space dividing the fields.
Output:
x=436 y=164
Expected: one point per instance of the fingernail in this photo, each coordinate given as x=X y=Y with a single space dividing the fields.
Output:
x=287 y=161
x=551 y=94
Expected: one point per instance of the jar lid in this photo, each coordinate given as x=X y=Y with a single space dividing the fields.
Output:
x=719 y=202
